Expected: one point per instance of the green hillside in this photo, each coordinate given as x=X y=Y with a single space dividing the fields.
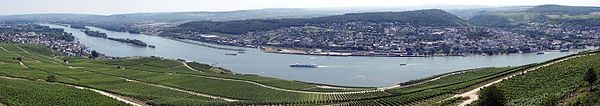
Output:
x=557 y=14
x=28 y=93
x=559 y=9
x=560 y=83
x=157 y=81
x=431 y=17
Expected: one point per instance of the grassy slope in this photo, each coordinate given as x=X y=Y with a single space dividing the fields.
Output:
x=25 y=92
x=104 y=75
x=143 y=69
x=432 y=92
x=36 y=93
x=550 y=83
x=46 y=66
x=100 y=75
x=520 y=18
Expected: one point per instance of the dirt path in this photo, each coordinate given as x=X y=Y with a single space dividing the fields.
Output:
x=186 y=65
x=4 y=49
x=287 y=90
x=23 y=50
x=71 y=67
x=472 y=95
x=34 y=54
x=1 y=104
x=166 y=87
x=127 y=100
x=334 y=87
x=181 y=90
x=22 y=64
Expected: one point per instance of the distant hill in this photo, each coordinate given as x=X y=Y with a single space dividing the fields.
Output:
x=271 y=13
x=469 y=13
x=429 y=17
x=175 y=17
x=568 y=15
x=128 y=22
x=559 y=9
x=49 y=17
x=490 y=20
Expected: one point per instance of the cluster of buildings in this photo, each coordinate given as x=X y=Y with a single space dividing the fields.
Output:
x=55 y=39
x=580 y=35
x=392 y=39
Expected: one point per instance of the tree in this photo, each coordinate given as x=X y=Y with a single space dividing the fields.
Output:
x=51 y=78
x=491 y=96
x=95 y=54
x=590 y=77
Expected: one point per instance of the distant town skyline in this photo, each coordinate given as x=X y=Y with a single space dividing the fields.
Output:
x=107 y=7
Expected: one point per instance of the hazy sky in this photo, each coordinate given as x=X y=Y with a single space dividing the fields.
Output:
x=9 y=7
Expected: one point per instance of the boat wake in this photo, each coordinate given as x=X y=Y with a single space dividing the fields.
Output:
x=323 y=66
x=336 y=66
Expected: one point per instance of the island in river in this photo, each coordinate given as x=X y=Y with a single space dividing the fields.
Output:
x=124 y=40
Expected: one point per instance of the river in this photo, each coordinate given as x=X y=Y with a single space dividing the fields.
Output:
x=347 y=71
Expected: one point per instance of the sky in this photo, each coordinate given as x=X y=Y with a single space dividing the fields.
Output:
x=106 y=7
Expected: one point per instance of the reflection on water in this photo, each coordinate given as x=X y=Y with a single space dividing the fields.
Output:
x=350 y=71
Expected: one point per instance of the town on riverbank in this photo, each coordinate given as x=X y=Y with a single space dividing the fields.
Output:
x=54 y=38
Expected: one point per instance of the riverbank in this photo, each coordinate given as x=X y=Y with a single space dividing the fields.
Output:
x=206 y=45
x=319 y=52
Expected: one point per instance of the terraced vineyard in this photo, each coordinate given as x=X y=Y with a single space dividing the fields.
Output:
x=438 y=90
x=26 y=92
x=551 y=83
x=157 y=81
x=154 y=80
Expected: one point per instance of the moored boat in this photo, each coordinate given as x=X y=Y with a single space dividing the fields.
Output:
x=304 y=65
x=540 y=53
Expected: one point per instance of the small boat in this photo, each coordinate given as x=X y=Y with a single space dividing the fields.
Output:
x=151 y=46
x=241 y=52
x=403 y=64
x=564 y=50
x=304 y=65
x=540 y=53
x=231 y=54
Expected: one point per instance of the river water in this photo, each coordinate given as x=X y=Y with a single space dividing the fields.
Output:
x=347 y=71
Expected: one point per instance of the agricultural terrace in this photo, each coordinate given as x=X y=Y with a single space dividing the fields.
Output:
x=157 y=81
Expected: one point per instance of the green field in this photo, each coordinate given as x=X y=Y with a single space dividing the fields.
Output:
x=565 y=16
x=519 y=18
x=551 y=83
x=157 y=81
x=37 y=93
x=137 y=77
